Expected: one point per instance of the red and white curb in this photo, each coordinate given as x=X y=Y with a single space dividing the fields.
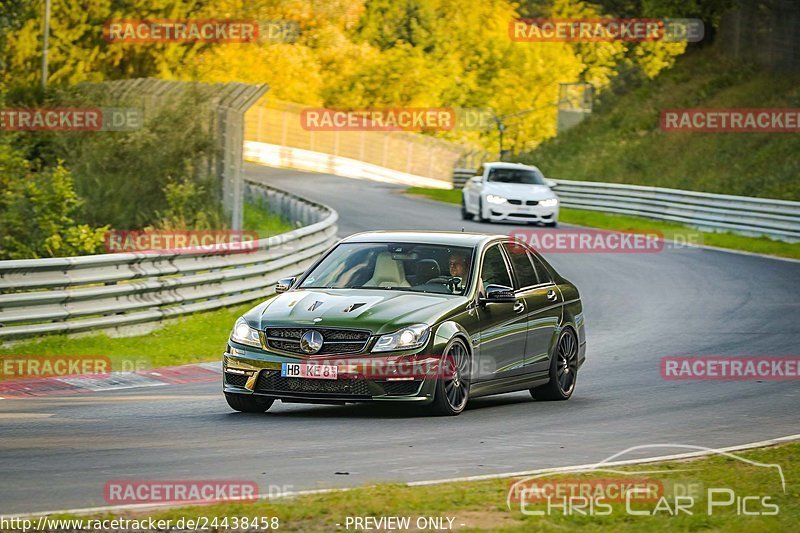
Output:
x=155 y=377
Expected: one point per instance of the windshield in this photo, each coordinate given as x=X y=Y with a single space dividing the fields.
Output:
x=397 y=266
x=516 y=175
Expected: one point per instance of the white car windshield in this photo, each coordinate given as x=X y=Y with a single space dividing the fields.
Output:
x=516 y=175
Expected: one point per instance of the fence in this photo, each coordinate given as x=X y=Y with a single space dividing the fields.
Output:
x=298 y=159
x=763 y=31
x=277 y=124
x=73 y=294
x=223 y=112
x=778 y=219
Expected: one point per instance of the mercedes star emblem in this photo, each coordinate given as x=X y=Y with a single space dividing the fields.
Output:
x=311 y=341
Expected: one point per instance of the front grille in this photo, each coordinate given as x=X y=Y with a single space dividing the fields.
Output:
x=399 y=388
x=343 y=347
x=284 y=345
x=334 y=341
x=285 y=333
x=515 y=202
x=237 y=380
x=531 y=202
x=271 y=381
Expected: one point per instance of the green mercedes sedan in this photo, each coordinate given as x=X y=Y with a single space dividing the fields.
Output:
x=432 y=318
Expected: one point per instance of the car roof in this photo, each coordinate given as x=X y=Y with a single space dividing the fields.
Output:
x=503 y=164
x=446 y=238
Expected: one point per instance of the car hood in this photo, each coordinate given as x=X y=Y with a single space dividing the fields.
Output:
x=519 y=191
x=379 y=310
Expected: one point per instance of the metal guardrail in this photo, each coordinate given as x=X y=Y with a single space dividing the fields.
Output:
x=73 y=294
x=778 y=219
x=461 y=176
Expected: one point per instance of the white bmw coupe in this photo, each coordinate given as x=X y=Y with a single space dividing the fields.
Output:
x=510 y=192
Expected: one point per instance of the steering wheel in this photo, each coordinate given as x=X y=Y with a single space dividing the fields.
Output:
x=452 y=282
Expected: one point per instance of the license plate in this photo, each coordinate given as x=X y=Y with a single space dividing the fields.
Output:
x=302 y=370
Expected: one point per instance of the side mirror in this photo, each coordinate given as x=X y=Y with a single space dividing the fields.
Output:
x=284 y=285
x=550 y=183
x=496 y=294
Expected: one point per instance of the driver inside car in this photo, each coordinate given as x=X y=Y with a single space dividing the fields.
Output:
x=458 y=268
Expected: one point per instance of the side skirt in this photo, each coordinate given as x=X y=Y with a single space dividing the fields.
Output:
x=509 y=384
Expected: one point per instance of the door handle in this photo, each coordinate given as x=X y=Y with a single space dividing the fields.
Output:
x=551 y=295
x=519 y=306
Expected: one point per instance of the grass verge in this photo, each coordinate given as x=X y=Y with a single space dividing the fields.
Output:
x=195 y=338
x=256 y=217
x=594 y=219
x=481 y=505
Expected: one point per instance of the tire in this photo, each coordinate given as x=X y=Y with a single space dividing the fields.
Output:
x=247 y=403
x=551 y=224
x=465 y=215
x=452 y=395
x=563 y=370
x=481 y=218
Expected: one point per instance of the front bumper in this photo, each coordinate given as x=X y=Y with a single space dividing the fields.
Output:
x=522 y=213
x=250 y=372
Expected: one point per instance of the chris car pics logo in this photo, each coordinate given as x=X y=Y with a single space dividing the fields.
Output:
x=671 y=490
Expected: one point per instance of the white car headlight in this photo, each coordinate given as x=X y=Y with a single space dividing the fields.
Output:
x=244 y=334
x=550 y=202
x=494 y=199
x=404 y=339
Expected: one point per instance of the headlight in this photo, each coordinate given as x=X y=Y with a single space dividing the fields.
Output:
x=404 y=339
x=494 y=199
x=244 y=334
x=550 y=202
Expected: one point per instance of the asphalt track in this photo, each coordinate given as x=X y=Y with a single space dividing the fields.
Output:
x=59 y=452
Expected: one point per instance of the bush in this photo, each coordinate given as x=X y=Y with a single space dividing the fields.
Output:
x=190 y=206
x=37 y=210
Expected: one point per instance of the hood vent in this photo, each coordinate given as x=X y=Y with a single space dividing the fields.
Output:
x=315 y=305
x=353 y=307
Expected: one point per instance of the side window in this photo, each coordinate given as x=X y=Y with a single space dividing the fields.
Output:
x=493 y=270
x=541 y=271
x=523 y=269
